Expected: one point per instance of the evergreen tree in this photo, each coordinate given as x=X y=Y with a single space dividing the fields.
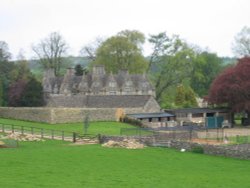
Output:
x=180 y=95
x=185 y=97
x=1 y=93
x=78 y=70
x=33 y=94
x=190 y=98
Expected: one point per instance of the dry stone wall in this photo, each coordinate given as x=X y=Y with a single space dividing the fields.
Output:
x=241 y=151
x=63 y=115
x=30 y=114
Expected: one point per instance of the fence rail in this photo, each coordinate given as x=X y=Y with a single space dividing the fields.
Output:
x=176 y=133
x=40 y=132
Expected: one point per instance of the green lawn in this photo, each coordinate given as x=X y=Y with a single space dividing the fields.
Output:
x=106 y=128
x=59 y=165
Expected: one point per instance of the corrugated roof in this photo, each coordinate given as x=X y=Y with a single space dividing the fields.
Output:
x=150 y=115
x=196 y=110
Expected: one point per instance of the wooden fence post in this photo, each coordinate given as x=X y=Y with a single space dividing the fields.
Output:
x=41 y=132
x=74 y=137
x=52 y=134
x=12 y=128
x=22 y=130
x=63 y=135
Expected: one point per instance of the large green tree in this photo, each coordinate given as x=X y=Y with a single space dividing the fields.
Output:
x=122 y=51
x=170 y=62
x=206 y=66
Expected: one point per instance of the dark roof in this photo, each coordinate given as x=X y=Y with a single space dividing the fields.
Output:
x=120 y=79
x=197 y=110
x=99 y=101
x=150 y=115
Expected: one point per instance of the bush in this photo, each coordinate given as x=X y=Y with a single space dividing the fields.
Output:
x=197 y=149
x=131 y=121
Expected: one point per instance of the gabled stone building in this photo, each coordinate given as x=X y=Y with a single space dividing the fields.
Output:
x=98 y=82
x=98 y=90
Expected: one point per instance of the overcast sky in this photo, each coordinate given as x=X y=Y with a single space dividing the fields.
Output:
x=207 y=23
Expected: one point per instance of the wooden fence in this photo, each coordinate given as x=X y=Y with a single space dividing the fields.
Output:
x=40 y=132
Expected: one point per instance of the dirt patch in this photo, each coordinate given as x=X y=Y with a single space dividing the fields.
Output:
x=126 y=143
x=85 y=142
x=22 y=137
x=210 y=142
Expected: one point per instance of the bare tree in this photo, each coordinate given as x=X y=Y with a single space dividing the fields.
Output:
x=90 y=49
x=50 y=51
x=241 y=44
x=4 y=51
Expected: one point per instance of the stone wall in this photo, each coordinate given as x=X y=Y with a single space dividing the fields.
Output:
x=30 y=114
x=241 y=151
x=69 y=115
x=148 y=140
x=63 y=115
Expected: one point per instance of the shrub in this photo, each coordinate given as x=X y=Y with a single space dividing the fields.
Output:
x=131 y=121
x=197 y=149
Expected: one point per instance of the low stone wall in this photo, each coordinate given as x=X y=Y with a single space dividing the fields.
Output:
x=148 y=140
x=30 y=114
x=62 y=115
x=236 y=151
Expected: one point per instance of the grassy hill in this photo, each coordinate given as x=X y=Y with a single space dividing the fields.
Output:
x=61 y=165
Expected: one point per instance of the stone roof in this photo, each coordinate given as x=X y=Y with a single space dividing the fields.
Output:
x=75 y=81
x=99 y=101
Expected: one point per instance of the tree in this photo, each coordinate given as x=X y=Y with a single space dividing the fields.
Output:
x=170 y=62
x=90 y=50
x=80 y=70
x=190 y=98
x=180 y=95
x=185 y=97
x=33 y=94
x=135 y=37
x=206 y=66
x=232 y=87
x=122 y=51
x=15 y=93
x=4 y=52
x=161 y=43
x=50 y=52
x=21 y=70
x=241 y=44
x=1 y=93
x=26 y=93
x=5 y=68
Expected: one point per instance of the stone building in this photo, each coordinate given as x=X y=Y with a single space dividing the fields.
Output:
x=101 y=96
x=131 y=92
x=98 y=82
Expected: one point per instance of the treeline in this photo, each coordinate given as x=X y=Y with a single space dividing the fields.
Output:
x=179 y=71
x=18 y=86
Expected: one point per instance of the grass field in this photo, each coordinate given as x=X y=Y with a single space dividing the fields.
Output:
x=106 y=128
x=60 y=165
